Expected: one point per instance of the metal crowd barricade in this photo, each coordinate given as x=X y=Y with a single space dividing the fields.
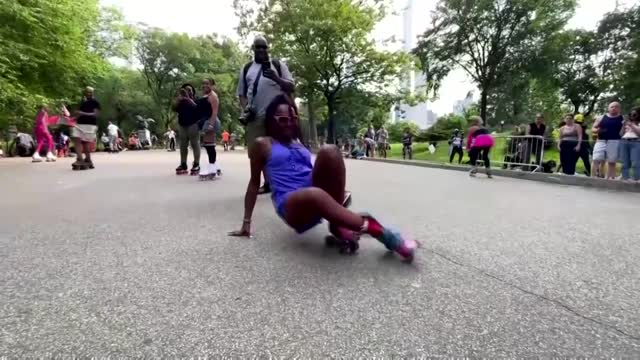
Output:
x=519 y=152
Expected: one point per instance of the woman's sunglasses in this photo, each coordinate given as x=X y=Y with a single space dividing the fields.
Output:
x=286 y=119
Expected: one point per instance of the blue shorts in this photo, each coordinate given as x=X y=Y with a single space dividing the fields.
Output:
x=280 y=210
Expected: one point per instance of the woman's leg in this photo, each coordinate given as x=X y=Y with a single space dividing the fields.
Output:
x=625 y=157
x=565 y=157
x=49 y=138
x=39 y=143
x=635 y=159
x=473 y=156
x=324 y=200
x=485 y=157
x=193 y=134
x=211 y=153
x=329 y=173
x=184 y=145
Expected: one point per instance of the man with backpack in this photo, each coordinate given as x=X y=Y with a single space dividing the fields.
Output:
x=261 y=81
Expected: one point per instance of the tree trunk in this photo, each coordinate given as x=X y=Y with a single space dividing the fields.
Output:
x=331 y=123
x=313 y=129
x=483 y=105
x=576 y=107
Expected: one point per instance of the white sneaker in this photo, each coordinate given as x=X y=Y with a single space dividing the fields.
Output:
x=36 y=158
x=50 y=157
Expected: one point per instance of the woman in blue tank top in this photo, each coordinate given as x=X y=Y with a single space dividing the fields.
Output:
x=304 y=193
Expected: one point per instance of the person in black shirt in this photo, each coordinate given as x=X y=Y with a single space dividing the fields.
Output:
x=535 y=145
x=407 y=144
x=84 y=133
x=188 y=133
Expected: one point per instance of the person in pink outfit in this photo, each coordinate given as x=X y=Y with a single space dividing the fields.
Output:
x=42 y=133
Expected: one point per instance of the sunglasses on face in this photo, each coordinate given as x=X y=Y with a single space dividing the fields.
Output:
x=285 y=119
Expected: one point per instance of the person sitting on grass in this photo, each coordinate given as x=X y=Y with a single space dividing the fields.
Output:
x=304 y=193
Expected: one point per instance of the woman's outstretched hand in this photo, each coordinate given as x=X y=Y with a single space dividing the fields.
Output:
x=245 y=231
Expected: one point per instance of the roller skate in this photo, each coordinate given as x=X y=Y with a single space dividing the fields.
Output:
x=36 y=158
x=341 y=238
x=182 y=169
x=391 y=239
x=79 y=165
x=347 y=241
x=195 y=169
x=89 y=163
x=50 y=157
x=489 y=174
x=473 y=171
x=206 y=173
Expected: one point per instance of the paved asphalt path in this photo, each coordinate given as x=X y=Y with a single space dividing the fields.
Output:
x=131 y=260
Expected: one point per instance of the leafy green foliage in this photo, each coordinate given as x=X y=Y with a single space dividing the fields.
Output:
x=491 y=40
x=443 y=128
x=48 y=52
x=170 y=60
x=327 y=46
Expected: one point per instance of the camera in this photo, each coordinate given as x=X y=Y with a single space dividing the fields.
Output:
x=247 y=116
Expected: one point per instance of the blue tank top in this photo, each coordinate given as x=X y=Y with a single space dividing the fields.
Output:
x=288 y=169
x=610 y=128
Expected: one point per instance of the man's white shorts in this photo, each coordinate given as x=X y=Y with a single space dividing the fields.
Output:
x=606 y=150
x=86 y=133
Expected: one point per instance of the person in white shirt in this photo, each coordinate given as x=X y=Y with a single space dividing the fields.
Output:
x=171 y=137
x=112 y=129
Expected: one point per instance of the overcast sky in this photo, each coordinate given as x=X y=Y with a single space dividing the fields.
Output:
x=208 y=16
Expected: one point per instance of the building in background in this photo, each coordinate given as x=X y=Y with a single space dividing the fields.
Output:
x=413 y=82
x=461 y=106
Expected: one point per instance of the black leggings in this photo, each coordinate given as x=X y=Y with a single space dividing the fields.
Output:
x=172 y=144
x=568 y=156
x=456 y=150
x=480 y=152
x=211 y=152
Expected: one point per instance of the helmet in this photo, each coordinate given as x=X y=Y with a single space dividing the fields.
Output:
x=579 y=118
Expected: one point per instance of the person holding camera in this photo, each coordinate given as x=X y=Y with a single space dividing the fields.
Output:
x=261 y=81
x=189 y=132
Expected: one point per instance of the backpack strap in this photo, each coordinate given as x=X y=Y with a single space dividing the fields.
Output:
x=276 y=64
x=245 y=71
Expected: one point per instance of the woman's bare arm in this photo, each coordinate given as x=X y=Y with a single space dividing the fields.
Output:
x=257 y=155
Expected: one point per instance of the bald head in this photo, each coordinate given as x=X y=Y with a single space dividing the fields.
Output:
x=260 y=49
x=615 y=109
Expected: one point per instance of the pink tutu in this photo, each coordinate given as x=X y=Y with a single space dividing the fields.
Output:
x=483 y=141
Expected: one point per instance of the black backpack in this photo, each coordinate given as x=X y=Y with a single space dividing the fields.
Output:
x=245 y=71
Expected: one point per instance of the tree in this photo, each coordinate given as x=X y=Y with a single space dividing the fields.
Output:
x=48 y=52
x=396 y=130
x=583 y=74
x=443 y=128
x=327 y=45
x=620 y=32
x=491 y=40
x=165 y=66
x=171 y=59
x=123 y=95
